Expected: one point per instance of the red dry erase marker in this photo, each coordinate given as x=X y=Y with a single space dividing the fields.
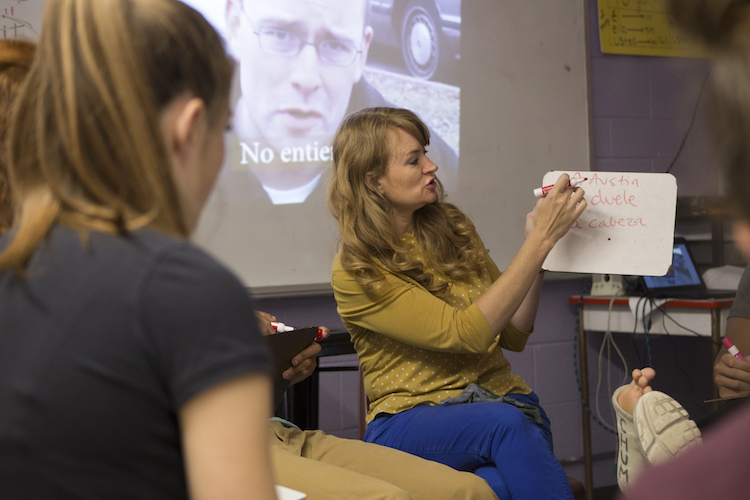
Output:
x=732 y=349
x=281 y=327
x=542 y=191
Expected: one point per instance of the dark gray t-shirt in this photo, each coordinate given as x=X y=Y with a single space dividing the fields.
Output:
x=741 y=306
x=100 y=345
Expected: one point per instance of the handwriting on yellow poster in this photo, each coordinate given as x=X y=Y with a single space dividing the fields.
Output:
x=643 y=27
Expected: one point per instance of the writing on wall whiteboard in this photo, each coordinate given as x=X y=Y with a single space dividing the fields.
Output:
x=643 y=28
x=627 y=227
x=21 y=18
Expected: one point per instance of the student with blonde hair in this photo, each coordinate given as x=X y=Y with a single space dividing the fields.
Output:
x=131 y=364
x=430 y=314
x=15 y=60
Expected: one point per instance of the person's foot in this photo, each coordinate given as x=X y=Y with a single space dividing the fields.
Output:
x=640 y=385
x=651 y=426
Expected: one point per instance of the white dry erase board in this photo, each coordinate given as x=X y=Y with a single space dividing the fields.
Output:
x=20 y=18
x=627 y=227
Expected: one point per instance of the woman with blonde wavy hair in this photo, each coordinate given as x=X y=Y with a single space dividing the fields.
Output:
x=131 y=365
x=429 y=312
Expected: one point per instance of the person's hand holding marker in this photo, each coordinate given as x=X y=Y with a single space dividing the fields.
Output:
x=542 y=191
x=732 y=372
x=556 y=211
x=304 y=363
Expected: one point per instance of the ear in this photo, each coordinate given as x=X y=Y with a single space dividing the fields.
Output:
x=741 y=234
x=373 y=184
x=362 y=59
x=233 y=13
x=184 y=127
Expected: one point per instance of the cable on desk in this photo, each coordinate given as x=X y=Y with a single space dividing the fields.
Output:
x=664 y=312
x=609 y=341
x=646 y=328
x=575 y=365
x=635 y=329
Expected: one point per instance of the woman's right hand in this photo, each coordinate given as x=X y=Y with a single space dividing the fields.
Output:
x=555 y=213
x=732 y=375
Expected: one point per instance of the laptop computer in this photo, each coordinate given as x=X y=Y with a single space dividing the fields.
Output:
x=683 y=279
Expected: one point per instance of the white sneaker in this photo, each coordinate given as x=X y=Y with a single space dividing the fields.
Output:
x=629 y=453
x=663 y=427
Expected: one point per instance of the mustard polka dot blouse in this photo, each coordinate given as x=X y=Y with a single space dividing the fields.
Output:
x=415 y=348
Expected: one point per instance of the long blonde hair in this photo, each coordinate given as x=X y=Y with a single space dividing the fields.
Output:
x=363 y=144
x=724 y=26
x=85 y=145
x=15 y=61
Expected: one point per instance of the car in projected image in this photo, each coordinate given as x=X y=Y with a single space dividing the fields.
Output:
x=428 y=33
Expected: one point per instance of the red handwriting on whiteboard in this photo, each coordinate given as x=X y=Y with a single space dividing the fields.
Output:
x=625 y=195
x=619 y=180
x=619 y=222
x=617 y=199
x=610 y=222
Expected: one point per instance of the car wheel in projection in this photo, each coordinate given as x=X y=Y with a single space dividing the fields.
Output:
x=420 y=39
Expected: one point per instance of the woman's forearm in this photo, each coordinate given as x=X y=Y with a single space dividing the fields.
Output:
x=504 y=299
x=526 y=313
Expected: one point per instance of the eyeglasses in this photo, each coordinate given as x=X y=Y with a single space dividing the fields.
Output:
x=284 y=43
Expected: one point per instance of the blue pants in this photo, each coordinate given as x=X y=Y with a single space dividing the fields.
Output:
x=493 y=440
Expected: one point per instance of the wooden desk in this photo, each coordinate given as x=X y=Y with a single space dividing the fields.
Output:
x=706 y=317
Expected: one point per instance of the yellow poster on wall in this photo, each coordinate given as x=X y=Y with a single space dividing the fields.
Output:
x=644 y=28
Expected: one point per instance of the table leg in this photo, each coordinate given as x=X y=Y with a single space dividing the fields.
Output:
x=585 y=419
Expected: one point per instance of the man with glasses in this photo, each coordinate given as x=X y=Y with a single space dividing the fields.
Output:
x=299 y=61
x=300 y=71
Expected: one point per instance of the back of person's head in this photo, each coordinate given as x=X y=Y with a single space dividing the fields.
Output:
x=85 y=144
x=15 y=61
x=724 y=26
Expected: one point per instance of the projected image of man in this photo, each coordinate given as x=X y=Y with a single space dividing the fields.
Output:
x=301 y=66
x=299 y=60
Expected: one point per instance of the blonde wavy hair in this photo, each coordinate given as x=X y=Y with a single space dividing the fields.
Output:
x=15 y=61
x=724 y=26
x=85 y=147
x=364 y=144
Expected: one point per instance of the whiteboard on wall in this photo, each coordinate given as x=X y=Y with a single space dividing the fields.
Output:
x=627 y=227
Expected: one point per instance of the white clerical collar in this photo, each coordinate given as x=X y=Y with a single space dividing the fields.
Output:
x=294 y=195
